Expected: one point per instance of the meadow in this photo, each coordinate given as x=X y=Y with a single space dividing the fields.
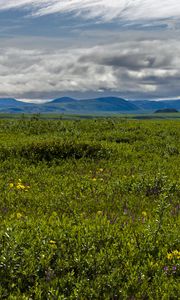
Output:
x=89 y=209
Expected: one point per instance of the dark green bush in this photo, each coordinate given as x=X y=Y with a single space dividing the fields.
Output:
x=50 y=150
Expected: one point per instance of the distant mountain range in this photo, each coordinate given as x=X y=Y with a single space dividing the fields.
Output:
x=151 y=105
x=104 y=105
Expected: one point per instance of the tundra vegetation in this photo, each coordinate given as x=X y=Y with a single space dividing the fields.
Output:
x=89 y=209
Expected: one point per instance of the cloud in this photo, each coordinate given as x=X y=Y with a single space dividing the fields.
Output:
x=125 y=10
x=132 y=69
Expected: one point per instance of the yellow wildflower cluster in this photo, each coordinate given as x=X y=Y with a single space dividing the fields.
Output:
x=19 y=186
x=173 y=254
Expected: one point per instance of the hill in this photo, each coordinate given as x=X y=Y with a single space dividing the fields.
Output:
x=11 y=105
x=166 y=110
x=63 y=100
x=108 y=104
x=97 y=105
x=10 y=102
x=152 y=105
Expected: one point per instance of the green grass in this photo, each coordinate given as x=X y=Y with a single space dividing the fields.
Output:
x=145 y=115
x=89 y=209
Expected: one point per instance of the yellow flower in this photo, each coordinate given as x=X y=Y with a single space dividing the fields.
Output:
x=11 y=185
x=175 y=252
x=144 y=214
x=169 y=256
x=52 y=242
x=19 y=215
x=21 y=186
x=101 y=170
x=94 y=179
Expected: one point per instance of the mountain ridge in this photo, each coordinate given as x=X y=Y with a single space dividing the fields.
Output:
x=95 y=105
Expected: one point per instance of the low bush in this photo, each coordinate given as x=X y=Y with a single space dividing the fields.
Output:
x=50 y=150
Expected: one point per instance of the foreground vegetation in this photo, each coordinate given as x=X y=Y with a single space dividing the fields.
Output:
x=89 y=209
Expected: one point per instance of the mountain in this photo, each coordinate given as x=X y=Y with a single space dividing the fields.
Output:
x=108 y=104
x=173 y=104
x=151 y=105
x=103 y=105
x=97 y=105
x=11 y=105
x=63 y=100
x=7 y=102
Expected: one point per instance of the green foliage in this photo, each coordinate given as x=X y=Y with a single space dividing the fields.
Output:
x=89 y=209
x=51 y=150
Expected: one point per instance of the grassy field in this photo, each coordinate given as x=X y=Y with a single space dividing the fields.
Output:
x=55 y=116
x=89 y=209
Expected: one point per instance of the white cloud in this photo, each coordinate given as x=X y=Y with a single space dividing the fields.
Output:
x=128 y=10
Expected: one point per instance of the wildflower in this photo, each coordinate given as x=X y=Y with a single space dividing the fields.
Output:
x=101 y=170
x=175 y=252
x=20 y=186
x=11 y=185
x=144 y=214
x=52 y=242
x=94 y=179
x=170 y=256
x=19 y=215
x=174 y=268
x=165 y=269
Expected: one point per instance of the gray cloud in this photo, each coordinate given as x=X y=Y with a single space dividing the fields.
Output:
x=131 y=69
x=136 y=55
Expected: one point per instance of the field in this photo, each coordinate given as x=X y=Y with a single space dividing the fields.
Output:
x=89 y=209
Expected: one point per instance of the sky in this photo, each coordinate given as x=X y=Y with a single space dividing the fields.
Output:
x=89 y=48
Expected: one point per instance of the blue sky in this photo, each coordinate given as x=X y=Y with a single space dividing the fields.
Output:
x=83 y=48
